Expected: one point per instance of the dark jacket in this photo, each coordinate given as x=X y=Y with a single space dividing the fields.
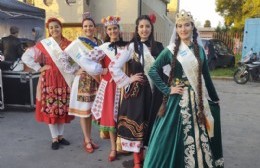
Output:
x=11 y=48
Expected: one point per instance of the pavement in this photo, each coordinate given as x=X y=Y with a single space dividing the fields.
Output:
x=24 y=143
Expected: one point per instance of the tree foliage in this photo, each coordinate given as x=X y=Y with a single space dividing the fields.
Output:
x=207 y=23
x=235 y=12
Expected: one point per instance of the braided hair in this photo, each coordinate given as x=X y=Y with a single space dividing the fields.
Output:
x=201 y=115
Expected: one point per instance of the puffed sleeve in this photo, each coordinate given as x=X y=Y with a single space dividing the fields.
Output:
x=86 y=59
x=90 y=62
x=116 y=64
x=29 y=57
x=163 y=59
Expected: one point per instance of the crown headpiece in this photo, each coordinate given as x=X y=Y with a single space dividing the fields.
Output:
x=111 y=20
x=86 y=15
x=183 y=16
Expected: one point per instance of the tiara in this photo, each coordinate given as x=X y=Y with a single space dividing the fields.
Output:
x=111 y=20
x=183 y=16
x=86 y=15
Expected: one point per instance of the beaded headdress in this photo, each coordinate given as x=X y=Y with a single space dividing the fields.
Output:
x=111 y=20
x=183 y=16
x=86 y=15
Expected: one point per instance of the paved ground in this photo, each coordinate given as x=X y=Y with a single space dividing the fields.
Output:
x=26 y=144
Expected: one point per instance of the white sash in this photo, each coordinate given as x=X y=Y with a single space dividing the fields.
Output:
x=77 y=51
x=190 y=67
x=148 y=62
x=54 y=50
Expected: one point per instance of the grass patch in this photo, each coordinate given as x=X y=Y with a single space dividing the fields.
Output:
x=226 y=72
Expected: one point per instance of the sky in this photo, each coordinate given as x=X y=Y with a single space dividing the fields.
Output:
x=202 y=10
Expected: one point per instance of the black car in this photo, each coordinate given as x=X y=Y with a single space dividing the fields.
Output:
x=218 y=54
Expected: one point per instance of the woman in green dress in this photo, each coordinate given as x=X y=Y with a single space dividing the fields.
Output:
x=186 y=133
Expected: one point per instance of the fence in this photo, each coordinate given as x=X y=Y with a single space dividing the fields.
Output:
x=234 y=40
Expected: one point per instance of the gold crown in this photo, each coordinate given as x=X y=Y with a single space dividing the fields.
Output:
x=111 y=20
x=183 y=16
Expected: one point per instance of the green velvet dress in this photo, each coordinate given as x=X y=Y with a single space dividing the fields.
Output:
x=177 y=139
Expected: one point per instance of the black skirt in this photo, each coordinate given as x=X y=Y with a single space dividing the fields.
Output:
x=134 y=112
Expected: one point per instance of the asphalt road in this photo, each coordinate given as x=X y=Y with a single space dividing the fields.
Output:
x=24 y=143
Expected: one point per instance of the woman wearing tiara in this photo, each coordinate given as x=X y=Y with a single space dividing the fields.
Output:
x=186 y=133
x=96 y=61
x=135 y=109
x=84 y=86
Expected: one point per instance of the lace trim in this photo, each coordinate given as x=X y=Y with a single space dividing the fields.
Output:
x=219 y=162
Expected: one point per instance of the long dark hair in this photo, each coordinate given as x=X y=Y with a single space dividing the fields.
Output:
x=107 y=38
x=201 y=115
x=136 y=38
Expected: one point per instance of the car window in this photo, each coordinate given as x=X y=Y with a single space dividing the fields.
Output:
x=206 y=47
x=221 y=47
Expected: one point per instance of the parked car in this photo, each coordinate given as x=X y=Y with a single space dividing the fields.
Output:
x=218 y=54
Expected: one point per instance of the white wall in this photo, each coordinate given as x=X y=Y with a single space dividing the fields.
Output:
x=157 y=5
x=60 y=9
x=126 y=9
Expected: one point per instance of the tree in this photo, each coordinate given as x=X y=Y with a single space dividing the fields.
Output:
x=207 y=23
x=235 y=12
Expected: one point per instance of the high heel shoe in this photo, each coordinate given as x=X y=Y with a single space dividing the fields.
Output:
x=112 y=156
x=88 y=147
x=94 y=145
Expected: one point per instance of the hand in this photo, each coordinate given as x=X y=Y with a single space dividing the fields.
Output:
x=2 y=58
x=104 y=72
x=45 y=67
x=79 y=72
x=177 y=89
x=136 y=78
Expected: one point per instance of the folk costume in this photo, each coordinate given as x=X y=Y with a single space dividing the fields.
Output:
x=137 y=97
x=84 y=87
x=155 y=50
x=53 y=97
x=106 y=103
x=183 y=140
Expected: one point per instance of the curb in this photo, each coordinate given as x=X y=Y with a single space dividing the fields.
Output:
x=222 y=78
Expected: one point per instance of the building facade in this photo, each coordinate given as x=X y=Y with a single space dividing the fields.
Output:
x=70 y=13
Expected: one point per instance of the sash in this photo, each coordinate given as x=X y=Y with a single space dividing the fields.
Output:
x=89 y=44
x=78 y=52
x=148 y=62
x=53 y=50
x=190 y=67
